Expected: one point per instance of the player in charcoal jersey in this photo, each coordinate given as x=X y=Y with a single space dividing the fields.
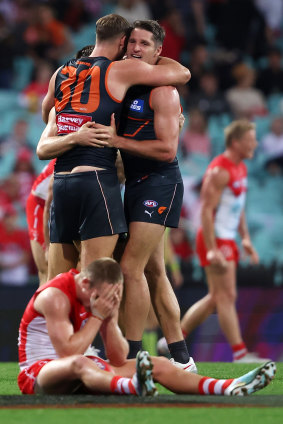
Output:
x=61 y=320
x=85 y=181
x=39 y=201
x=223 y=196
x=148 y=141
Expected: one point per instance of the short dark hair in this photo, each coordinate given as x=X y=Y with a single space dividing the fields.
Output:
x=151 y=26
x=85 y=51
x=103 y=270
x=111 y=26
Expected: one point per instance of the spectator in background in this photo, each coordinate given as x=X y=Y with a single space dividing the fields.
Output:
x=175 y=40
x=272 y=147
x=7 y=44
x=272 y=10
x=133 y=10
x=14 y=250
x=32 y=95
x=195 y=139
x=47 y=37
x=239 y=26
x=17 y=139
x=209 y=99
x=25 y=174
x=270 y=78
x=244 y=99
x=199 y=62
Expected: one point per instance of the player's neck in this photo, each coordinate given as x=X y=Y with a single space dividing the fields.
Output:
x=233 y=156
x=104 y=50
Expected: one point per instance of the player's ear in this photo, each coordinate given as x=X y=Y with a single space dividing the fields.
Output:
x=85 y=284
x=158 y=51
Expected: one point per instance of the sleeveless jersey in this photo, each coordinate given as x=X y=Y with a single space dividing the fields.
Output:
x=232 y=202
x=137 y=123
x=40 y=185
x=81 y=95
x=34 y=343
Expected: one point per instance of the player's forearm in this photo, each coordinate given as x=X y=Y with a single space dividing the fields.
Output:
x=243 y=228
x=181 y=72
x=207 y=223
x=78 y=342
x=52 y=147
x=116 y=346
x=151 y=149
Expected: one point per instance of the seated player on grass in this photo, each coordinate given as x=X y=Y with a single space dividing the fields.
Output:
x=61 y=321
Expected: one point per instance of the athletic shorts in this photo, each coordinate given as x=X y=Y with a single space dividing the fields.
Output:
x=27 y=377
x=146 y=201
x=228 y=248
x=86 y=205
x=34 y=213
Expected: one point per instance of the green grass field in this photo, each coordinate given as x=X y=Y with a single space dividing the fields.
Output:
x=64 y=410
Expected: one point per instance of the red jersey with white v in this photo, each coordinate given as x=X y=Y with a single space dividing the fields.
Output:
x=232 y=201
x=40 y=185
x=34 y=343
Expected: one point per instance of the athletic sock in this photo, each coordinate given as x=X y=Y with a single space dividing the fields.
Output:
x=239 y=350
x=212 y=386
x=135 y=346
x=122 y=385
x=179 y=351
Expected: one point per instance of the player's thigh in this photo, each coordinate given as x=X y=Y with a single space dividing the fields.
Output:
x=96 y=248
x=57 y=376
x=61 y=258
x=221 y=281
x=144 y=239
x=38 y=254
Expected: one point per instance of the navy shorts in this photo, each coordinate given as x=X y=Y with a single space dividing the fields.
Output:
x=86 y=205
x=148 y=201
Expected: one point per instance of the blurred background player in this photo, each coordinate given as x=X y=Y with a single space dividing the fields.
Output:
x=223 y=196
x=37 y=212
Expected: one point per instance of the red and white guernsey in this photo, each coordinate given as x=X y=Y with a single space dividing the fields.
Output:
x=40 y=185
x=232 y=202
x=34 y=343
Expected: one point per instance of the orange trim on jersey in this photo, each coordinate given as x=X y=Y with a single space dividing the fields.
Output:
x=106 y=85
x=79 y=62
x=139 y=119
x=137 y=131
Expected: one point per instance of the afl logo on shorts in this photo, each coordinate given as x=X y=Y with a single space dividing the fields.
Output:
x=150 y=203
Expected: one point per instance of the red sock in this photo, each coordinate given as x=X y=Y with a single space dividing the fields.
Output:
x=239 y=350
x=212 y=386
x=122 y=385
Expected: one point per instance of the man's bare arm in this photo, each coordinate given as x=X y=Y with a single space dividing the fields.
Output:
x=54 y=305
x=246 y=241
x=125 y=73
x=49 y=100
x=166 y=106
x=51 y=145
x=213 y=186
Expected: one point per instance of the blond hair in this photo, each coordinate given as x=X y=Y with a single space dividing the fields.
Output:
x=236 y=130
